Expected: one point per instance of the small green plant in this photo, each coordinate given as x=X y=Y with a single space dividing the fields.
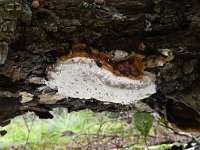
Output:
x=143 y=123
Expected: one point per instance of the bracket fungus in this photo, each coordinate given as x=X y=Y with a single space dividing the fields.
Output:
x=94 y=75
x=183 y=117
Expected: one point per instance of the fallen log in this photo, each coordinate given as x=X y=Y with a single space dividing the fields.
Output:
x=116 y=55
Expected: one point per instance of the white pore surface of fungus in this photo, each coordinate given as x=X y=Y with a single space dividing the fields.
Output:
x=80 y=77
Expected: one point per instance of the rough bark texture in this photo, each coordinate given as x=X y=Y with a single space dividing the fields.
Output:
x=31 y=39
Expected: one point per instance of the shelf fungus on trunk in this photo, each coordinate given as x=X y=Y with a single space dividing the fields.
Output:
x=102 y=76
x=183 y=117
x=183 y=111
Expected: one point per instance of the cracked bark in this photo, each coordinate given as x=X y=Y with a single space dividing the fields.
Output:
x=31 y=39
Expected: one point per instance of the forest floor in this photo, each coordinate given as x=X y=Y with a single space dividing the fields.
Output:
x=88 y=130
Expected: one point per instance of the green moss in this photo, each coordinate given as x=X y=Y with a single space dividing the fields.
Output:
x=162 y=147
x=158 y=147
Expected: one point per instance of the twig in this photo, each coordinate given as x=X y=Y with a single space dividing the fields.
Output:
x=128 y=146
x=110 y=120
x=29 y=129
x=188 y=135
x=84 y=145
x=102 y=123
x=145 y=141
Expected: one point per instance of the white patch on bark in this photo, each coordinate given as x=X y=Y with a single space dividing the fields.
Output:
x=26 y=97
x=81 y=78
x=119 y=55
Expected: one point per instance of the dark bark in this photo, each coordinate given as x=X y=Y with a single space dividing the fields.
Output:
x=31 y=39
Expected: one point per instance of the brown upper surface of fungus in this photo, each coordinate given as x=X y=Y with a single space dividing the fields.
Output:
x=132 y=67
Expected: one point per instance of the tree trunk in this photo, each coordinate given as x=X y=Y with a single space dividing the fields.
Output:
x=161 y=37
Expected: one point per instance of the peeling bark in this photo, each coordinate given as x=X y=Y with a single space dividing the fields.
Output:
x=32 y=39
